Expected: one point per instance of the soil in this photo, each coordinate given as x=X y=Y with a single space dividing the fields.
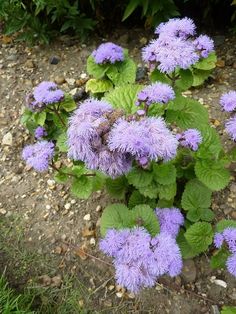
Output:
x=39 y=217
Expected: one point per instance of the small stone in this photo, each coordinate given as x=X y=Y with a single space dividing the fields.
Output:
x=73 y=91
x=98 y=208
x=3 y=211
x=59 y=80
x=119 y=294
x=73 y=201
x=220 y=63
x=50 y=182
x=63 y=237
x=45 y=280
x=7 y=139
x=111 y=287
x=83 y=75
x=48 y=207
x=189 y=271
x=81 y=303
x=67 y=206
x=215 y=309
x=92 y=241
x=87 y=217
x=29 y=64
x=233 y=214
x=70 y=81
x=56 y=281
x=54 y=60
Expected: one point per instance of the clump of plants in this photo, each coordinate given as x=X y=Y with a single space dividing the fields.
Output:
x=150 y=147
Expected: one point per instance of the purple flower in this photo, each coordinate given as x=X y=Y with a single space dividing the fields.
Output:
x=108 y=53
x=229 y=235
x=170 y=220
x=156 y=93
x=190 y=138
x=167 y=255
x=204 y=44
x=39 y=155
x=113 y=241
x=168 y=54
x=231 y=264
x=88 y=129
x=148 y=138
x=46 y=93
x=218 y=240
x=230 y=127
x=176 y=27
x=228 y=101
x=40 y=132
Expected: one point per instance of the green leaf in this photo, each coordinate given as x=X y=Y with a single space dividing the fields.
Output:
x=196 y=199
x=40 y=118
x=122 y=72
x=208 y=63
x=62 y=142
x=139 y=177
x=199 y=236
x=211 y=145
x=232 y=154
x=228 y=310
x=162 y=203
x=186 y=113
x=167 y=192
x=26 y=116
x=78 y=170
x=68 y=104
x=130 y=7
x=224 y=223
x=98 y=86
x=157 y=76
x=98 y=71
x=136 y=198
x=212 y=173
x=156 y=110
x=57 y=120
x=150 y=190
x=164 y=173
x=61 y=177
x=117 y=187
x=144 y=215
x=185 y=81
x=82 y=187
x=219 y=259
x=124 y=97
x=116 y=216
x=199 y=76
x=186 y=250
x=98 y=181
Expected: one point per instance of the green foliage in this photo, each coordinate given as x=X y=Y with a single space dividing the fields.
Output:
x=117 y=187
x=228 y=310
x=96 y=86
x=139 y=177
x=199 y=236
x=219 y=259
x=221 y=225
x=118 y=216
x=62 y=142
x=164 y=173
x=203 y=68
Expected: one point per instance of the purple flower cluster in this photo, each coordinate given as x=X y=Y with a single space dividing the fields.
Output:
x=148 y=138
x=190 y=138
x=228 y=101
x=108 y=53
x=175 y=47
x=155 y=93
x=228 y=236
x=230 y=127
x=170 y=220
x=87 y=133
x=46 y=93
x=40 y=132
x=140 y=259
x=39 y=155
x=102 y=138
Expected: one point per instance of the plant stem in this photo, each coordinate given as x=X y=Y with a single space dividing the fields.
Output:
x=71 y=174
x=55 y=110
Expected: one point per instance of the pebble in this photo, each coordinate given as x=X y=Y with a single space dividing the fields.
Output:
x=119 y=294
x=29 y=64
x=59 y=80
x=98 y=208
x=3 y=211
x=73 y=201
x=74 y=91
x=233 y=214
x=218 y=282
x=50 y=182
x=83 y=75
x=7 y=139
x=92 y=241
x=48 y=207
x=189 y=271
x=87 y=217
x=70 y=81
x=67 y=206
x=54 y=60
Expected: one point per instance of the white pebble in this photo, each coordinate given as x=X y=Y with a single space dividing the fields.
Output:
x=48 y=206
x=73 y=201
x=87 y=217
x=92 y=241
x=83 y=75
x=98 y=208
x=3 y=211
x=67 y=206
x=51 y=182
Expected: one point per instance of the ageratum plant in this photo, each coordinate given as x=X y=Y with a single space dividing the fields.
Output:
x=150 y=147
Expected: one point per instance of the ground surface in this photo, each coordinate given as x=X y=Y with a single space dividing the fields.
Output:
x=43 y=227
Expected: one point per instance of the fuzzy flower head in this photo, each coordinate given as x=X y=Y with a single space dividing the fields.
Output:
x=87 y=134
x=230 y=127
x=108 y=53
x=231 y=264
x=168 y=54
x=40 y=132
x=156 y=93
x=148 y=137
x=204 y=44
x=46 y=93
x=228 y=101
x=38 y=155
x=170 y=220
x=229 y=235
x=182 y=28
x=190 y=138
x=218 y=240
